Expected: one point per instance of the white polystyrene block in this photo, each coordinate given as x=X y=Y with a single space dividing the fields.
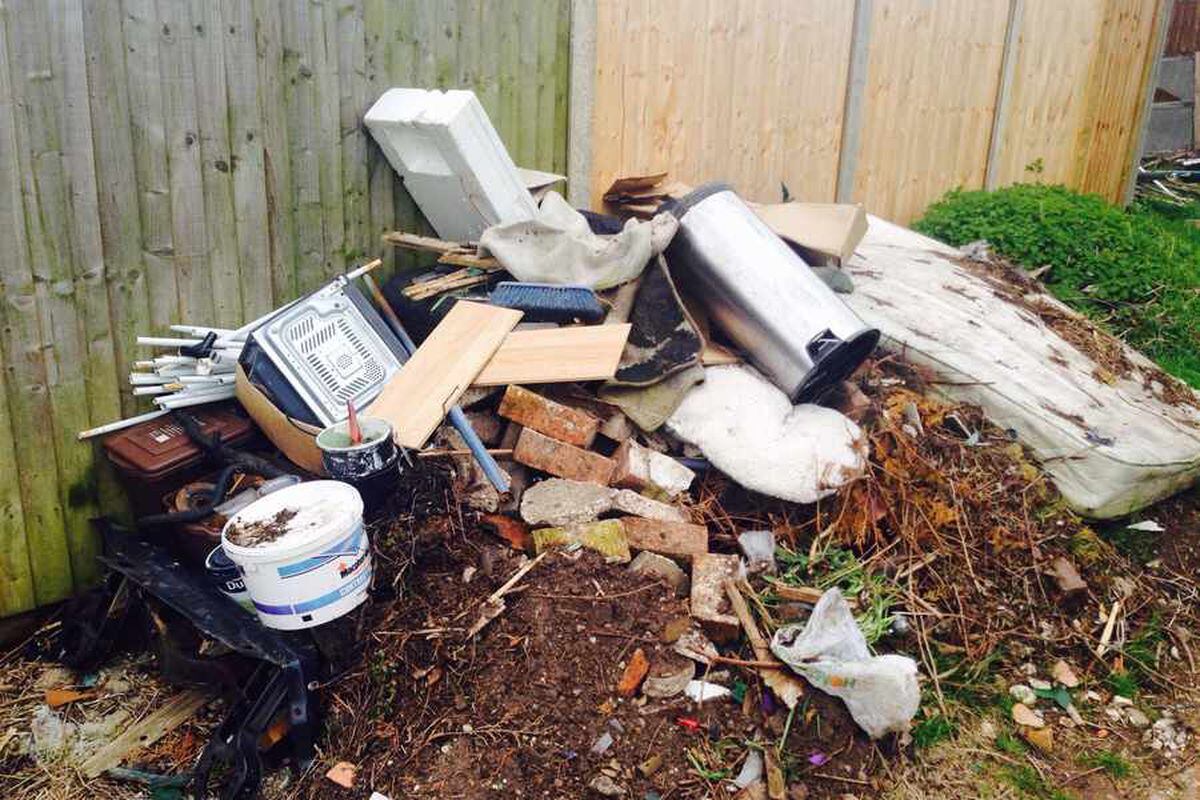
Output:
x=452 y=160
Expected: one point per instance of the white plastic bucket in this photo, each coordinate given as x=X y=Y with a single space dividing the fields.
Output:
x=318 y=567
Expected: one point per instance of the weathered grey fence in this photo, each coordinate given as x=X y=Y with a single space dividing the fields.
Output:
x=202 y=161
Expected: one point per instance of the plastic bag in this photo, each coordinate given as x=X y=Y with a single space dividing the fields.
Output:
x=830 y=651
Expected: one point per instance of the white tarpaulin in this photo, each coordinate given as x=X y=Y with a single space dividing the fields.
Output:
x=1111 y=444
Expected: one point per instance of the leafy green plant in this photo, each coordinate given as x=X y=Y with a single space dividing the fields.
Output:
x=932 y=730
x=837 y=566
x=1135 y=272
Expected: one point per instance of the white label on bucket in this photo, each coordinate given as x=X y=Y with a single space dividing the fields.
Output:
x=349 y=556
x=350 y=547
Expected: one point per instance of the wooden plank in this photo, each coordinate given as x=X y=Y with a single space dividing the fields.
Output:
x=172 y=713
x=417 y=398
x=324 y=52
x=35 y=210
x=379 y=172
x=946 y=115
x=246 y=159
x=77 y=309
x=189 y=237
x=301 y=120
x=277 y=162
x=1046 y=105
x=1196 y=100
x=16 y=575
x=216 y=170
x=556 y=355
x=352 y=135
x=1141 y=123
x=120 y=222
x=140 y=30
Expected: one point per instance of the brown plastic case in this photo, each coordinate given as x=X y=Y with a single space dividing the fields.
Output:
x=155 y=450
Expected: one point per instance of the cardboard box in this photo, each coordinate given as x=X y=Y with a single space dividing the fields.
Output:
x=825 y=232
x=295 y=439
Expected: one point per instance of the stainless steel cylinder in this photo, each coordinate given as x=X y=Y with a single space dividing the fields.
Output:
x=764 y=296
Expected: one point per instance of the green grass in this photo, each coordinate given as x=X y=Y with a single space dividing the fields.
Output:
x=932 y=730
x=1135 y=272
x=1141 y=653
x=1029 y=783
x=1112 y=763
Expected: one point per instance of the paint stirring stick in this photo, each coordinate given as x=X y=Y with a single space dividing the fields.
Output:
x=352 y=423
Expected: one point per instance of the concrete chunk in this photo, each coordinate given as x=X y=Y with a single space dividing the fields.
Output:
x=561 y=459
x=561 y=501
x=555 y=420
x=710 y=604
x=666 y=538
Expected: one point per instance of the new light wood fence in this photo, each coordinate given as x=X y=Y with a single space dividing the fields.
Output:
x=885 y=102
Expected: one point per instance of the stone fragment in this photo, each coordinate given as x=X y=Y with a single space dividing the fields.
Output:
x=656 y=566
x=560 y=501
x=1026 y=716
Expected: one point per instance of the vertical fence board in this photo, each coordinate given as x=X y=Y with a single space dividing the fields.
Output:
x=25 y=285
x=251 y=230
x=212 y=114
x=119 y=226
x=148 y=129
x=17 y=514
x=188 y=231
x=277 y=161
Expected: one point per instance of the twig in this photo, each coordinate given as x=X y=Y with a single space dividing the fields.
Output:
x=494 y=605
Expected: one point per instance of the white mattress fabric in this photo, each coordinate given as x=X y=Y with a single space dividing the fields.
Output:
x=1111 y=449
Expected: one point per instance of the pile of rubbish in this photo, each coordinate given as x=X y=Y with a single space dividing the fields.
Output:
x=586 y=506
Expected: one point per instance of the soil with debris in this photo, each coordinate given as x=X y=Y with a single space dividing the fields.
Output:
x=262 y=531
x=520 y=708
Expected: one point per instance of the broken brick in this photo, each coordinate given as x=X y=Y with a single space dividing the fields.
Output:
x=513 y=531
x=634 y=672
x=545 y=416
x=561 y=459
x=676 y=539
x=710 y=603
x=649 y=471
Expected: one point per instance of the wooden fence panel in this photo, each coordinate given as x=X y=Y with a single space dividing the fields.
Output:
x=750 y=92
x=202 y=160
x=756 y=92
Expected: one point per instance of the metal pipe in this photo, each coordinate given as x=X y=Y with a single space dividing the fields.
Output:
x=455 y=416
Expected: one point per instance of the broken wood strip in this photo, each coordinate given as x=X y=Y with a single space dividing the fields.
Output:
x=556 y=355
x=470 y=259
x=173 y=713
x=494 y=605
x=413 y=241
x=417 y=397
x=786 y=687
x=714 y=355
